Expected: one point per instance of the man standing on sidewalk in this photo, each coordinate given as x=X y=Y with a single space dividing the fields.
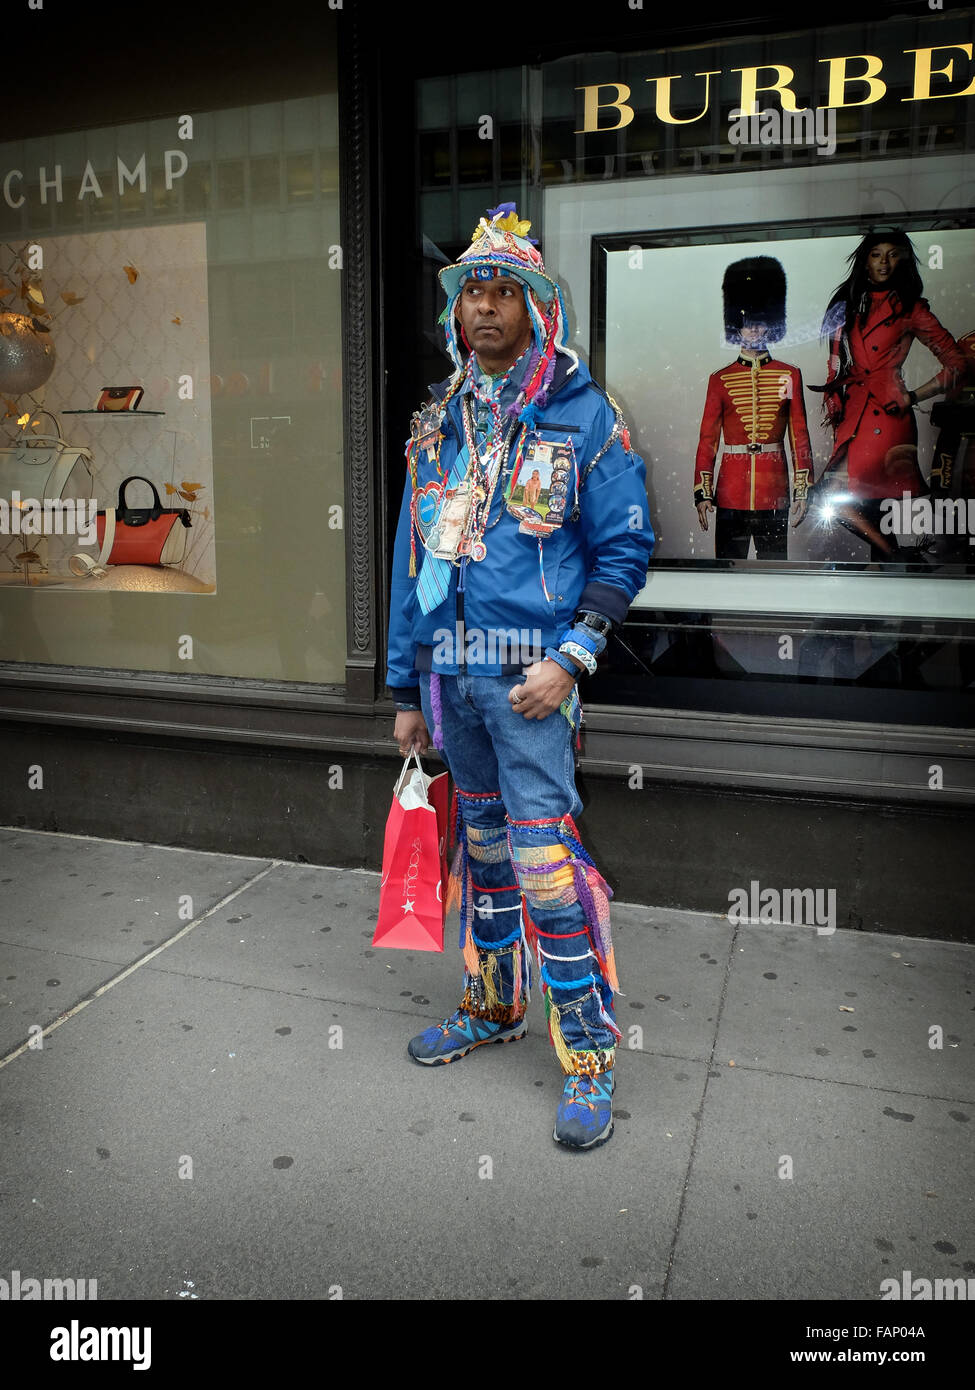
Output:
x=523 y=538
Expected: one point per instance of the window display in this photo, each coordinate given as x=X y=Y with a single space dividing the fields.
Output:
x=768 y=249
x=144 y=520
x=171 y=394
x=764 y=431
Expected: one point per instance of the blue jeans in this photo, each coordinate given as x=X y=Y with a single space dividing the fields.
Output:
x=515 y=781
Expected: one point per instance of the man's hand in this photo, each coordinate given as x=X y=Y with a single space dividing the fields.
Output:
x=410 y=728
x=799 y=509
x=702 y=513
x=545 y=687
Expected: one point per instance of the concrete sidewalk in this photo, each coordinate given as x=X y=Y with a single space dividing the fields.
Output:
x=784 y=1129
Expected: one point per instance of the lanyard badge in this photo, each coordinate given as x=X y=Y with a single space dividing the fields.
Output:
x=540 y=485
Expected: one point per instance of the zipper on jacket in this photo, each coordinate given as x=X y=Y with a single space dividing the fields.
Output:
x=460 y=636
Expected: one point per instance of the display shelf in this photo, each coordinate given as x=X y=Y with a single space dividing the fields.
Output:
x=116 y=413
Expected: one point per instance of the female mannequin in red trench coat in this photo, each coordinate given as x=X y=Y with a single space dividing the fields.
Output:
x=872 y=320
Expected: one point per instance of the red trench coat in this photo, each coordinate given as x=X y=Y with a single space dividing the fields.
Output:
x=881 y=449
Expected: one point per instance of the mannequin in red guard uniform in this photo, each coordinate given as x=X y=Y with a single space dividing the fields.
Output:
x=871 y=321
x=755 y=403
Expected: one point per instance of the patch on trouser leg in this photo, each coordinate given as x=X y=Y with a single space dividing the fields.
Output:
x=546 y=874
x=542 y=862
x=488 y=844
x=469 y=809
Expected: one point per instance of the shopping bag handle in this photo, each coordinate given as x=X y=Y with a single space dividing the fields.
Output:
x=416 y=757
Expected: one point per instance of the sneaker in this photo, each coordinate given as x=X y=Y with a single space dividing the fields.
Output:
x=585 y=1114
x=460 y=1034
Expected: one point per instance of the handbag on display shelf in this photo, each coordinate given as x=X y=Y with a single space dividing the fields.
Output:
x=127 y=535
x=39 y=466
x=119 y=398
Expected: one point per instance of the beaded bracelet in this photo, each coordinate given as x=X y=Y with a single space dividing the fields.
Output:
x=574 y=649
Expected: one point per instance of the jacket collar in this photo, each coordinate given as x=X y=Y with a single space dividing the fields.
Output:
x=565 y=370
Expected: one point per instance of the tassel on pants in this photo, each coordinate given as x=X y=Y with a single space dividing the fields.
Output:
x=523 y=880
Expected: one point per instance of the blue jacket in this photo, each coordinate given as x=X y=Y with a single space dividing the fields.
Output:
x=597 y=559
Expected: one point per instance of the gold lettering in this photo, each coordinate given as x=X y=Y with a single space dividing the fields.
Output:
x=839 y=78
x=923 y=72
x=750 y=86
x=592 y=106
x=664 y=106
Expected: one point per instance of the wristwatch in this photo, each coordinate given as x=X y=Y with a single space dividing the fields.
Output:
x=596 y=621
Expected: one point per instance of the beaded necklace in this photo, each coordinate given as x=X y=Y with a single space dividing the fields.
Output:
x=486 y=479
x=489 y=462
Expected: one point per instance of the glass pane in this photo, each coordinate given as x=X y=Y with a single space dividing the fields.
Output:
x=858 y=554
x=204 y=317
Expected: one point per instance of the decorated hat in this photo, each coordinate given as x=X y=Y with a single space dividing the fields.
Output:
x=500 y=246
x=754 y=292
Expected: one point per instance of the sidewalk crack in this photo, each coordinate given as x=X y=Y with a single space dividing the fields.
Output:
x=135 y=965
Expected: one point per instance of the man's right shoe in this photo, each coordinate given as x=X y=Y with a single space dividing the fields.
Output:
x=460 y=1034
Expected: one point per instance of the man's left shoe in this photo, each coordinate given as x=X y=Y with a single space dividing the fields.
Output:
x=585 y=1114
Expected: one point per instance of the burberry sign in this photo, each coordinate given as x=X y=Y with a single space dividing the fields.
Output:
x=856 y=79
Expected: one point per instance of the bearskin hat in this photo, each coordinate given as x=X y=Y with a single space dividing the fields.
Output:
x=754 y=291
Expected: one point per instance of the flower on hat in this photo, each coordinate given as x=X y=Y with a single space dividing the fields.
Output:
x=510 y=222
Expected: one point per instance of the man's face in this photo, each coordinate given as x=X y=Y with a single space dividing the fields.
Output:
x=753 y=335
x=495 y=318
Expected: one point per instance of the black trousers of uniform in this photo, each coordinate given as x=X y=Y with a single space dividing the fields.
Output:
x=733 y=529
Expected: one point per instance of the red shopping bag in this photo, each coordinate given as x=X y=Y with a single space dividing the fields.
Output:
x=414 y=878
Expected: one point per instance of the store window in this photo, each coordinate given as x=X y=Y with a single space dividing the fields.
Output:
x=689 y=200
x=171 y=451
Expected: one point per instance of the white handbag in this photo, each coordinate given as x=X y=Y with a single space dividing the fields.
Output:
x=39 y=466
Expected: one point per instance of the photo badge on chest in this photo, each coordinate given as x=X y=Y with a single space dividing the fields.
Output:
x=542 y=485
x=426 y=429
x=445 y=537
